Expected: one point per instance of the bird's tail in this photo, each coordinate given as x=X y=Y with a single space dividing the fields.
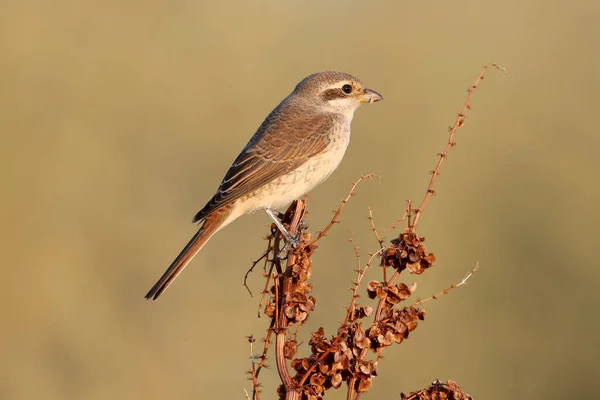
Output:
x=211 y=225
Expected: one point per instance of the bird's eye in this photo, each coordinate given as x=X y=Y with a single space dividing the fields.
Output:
x=347 y=89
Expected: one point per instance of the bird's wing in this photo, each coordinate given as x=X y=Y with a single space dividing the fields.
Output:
x=281 y=144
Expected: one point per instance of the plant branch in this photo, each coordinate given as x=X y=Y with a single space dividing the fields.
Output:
x=337 y=213
x=448 y=289
x=459 y=122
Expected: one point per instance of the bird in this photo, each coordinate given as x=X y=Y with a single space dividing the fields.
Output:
x=299 y=144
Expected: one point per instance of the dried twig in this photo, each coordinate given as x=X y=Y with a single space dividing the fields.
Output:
x=360 y=274
x=266 y=341
x=448 y=289
x=407 y=213
x=252 y=372
x=356 y=252
x=337 y=213
x=254 y=263
x=460 y=121
x=379 y=241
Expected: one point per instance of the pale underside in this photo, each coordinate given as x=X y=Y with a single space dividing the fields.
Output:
x=295 y=184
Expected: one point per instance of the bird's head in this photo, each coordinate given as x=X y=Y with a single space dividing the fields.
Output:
x=335 y=92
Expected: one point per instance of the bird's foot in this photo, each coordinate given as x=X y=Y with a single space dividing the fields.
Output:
x=294 y=241
x=290 y=240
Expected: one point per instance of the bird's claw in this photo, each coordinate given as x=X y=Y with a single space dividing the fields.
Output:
x=294 y=241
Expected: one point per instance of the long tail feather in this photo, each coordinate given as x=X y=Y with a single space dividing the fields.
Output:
x=210 y=226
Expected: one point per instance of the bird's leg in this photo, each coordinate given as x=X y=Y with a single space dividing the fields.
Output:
x=279 y=215
x=289 y=239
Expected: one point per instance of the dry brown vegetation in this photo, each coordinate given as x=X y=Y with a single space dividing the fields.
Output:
x=351 y=355
x=119 y=120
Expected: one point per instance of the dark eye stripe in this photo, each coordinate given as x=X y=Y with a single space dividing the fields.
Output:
x=332 y=94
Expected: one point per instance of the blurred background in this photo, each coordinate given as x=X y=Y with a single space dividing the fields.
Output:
x=119 y=119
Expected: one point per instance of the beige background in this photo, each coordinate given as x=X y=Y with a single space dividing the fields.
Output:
x=118 y=120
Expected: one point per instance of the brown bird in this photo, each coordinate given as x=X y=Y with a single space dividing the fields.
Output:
x=299 y=144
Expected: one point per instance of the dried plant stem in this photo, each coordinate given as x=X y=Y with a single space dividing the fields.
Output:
x=263 y=357
x=460 y=121
x=360 y=273
x=356 y=252
x=254 y=263
x=337 y=213
x=379 y=240
x=282 y=321
x=448 y=289
x=269 y=275
x=384 y=298
x=406 y=214
x=253 y=373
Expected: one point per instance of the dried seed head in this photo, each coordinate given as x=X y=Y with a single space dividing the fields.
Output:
x=408 y=252
x=394 y=327
x=438 y=391
x=290 y=348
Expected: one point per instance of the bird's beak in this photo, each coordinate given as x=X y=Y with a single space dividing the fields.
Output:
x=370 y=96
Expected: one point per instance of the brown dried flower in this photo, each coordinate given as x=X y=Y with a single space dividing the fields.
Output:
x=438 y=391
x=408 y=252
